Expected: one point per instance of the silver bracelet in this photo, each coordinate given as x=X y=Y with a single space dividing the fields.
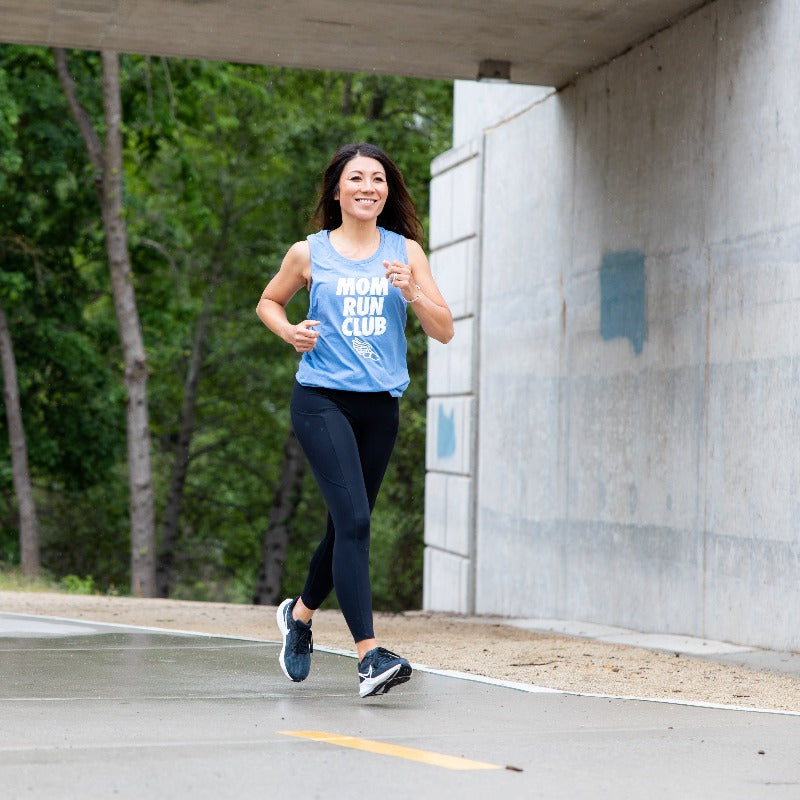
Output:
x=419 y=294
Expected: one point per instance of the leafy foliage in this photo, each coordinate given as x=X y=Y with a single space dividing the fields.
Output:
x=71 y=402
x=222 y=167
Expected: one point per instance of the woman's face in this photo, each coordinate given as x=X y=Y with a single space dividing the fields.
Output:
x=362 y=189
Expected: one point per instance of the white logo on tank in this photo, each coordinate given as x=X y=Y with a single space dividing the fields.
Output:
x=364 y=349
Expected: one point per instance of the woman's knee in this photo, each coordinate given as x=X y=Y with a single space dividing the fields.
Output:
x=355 y=528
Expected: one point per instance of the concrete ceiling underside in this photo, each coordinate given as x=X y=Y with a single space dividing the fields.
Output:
x=545 y=42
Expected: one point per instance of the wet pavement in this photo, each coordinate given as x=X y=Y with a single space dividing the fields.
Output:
x=89 y=710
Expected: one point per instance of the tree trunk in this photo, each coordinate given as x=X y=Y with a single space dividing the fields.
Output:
x=107 y=161
x=276 y=538
x=169 y=531
x=28 y=525
x=138 y=424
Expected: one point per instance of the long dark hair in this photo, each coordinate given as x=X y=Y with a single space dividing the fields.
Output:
x=398 y=215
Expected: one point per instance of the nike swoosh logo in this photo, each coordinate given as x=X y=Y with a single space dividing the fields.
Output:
x=365 y=674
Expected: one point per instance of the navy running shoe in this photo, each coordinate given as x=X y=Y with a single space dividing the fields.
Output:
x=295 y=657
x=380 y=670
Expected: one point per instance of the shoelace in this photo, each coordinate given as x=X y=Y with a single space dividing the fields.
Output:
x=383 y=655
x=304 y=642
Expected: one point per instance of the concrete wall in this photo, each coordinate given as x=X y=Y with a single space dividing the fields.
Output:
x=624 y=383
x=452 y=385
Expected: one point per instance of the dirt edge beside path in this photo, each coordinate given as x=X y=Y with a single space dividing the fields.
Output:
x=485 y=647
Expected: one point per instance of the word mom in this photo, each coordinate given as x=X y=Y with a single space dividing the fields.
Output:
x=362 y=307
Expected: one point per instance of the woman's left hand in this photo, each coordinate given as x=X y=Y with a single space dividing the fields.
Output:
x=419 y=290
x=402 y=278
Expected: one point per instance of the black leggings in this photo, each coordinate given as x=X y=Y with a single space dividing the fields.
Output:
x=348 y=438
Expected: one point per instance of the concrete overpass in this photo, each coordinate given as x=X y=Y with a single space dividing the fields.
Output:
x=545 y=42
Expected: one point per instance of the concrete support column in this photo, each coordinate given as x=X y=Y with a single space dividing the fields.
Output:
x=450 y=483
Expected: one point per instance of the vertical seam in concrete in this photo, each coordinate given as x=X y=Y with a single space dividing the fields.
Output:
x=472 y=573
x=703 y=478
x=564 y=373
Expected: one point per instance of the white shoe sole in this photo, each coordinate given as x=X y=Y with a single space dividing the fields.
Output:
x=380 y=684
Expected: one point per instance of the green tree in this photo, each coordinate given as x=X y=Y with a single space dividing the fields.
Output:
x=106 y=158
x=23 y=489
x=66 y=398
x=10 y=162
x=221 y=164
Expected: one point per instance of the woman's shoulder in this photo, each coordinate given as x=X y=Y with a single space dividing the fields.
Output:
x=299 y=251
x=413 y=246
x=298 y=257
x=416 y=255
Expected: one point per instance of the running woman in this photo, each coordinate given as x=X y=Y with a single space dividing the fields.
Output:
x=363 y=269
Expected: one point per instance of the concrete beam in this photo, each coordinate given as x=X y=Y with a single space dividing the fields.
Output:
x=542 y=41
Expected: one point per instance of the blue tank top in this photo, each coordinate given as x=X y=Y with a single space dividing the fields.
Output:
x=362 y=342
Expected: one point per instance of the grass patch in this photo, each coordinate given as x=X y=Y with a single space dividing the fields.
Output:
x=12 y=580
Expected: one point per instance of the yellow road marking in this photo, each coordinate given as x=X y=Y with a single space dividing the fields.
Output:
x=397 y=751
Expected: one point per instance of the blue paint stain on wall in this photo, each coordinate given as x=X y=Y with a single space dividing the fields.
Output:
x=446 y=433
x=622 y=298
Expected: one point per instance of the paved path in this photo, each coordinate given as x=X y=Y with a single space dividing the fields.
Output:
x=101 y=711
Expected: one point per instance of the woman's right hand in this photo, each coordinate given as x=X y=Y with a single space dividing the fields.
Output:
x=302 y=336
